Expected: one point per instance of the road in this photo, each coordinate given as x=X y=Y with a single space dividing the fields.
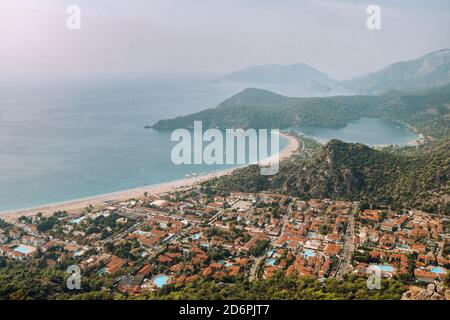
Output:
x=124 y=233
x=345 y=266
x=255 y=267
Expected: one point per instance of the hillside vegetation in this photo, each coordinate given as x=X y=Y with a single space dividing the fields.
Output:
x=413 y=179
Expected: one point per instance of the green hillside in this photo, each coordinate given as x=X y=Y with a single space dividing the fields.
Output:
x=338 y=170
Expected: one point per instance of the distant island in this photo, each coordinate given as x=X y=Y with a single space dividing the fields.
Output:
x=299 y=74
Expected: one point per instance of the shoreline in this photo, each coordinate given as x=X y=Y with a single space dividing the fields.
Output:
x=136 y=193
x=418 y=140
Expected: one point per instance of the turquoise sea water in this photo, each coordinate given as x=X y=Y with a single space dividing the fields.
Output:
x=59 y=145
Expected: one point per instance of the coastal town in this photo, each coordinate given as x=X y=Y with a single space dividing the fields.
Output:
x=192 y=233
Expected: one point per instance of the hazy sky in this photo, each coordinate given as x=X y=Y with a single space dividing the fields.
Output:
x=119 y=36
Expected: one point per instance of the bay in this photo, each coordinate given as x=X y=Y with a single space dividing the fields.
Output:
x=87 y=139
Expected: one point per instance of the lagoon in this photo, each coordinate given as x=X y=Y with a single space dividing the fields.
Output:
x=369 y=131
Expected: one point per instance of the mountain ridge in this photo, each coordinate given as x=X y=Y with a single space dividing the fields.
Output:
x=429 y=70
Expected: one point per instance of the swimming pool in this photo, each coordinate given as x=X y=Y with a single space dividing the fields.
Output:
x=24 y=249
x=196 y=236
x=77 y=220
x=270 y=262
x=160 y=280
x=79 y=253
x=309 y=253
x=101 y=271
x=382 y=268
x=225 y=263
x=438 y=270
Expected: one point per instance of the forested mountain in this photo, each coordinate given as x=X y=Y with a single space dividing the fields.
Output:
x=338 y=170
x=250 y=111
x=428 y=111
x=428 y=71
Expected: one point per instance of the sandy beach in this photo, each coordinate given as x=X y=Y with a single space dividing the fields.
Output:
x=137 y=193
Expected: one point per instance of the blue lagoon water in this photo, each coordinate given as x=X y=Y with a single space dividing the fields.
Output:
x=369 y=131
